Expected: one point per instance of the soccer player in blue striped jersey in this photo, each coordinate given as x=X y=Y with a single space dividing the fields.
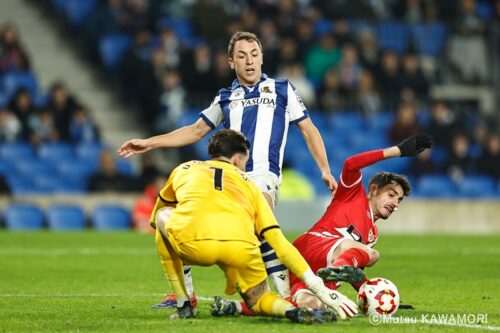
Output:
x=262 y=109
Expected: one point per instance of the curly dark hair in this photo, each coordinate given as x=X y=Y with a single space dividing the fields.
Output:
x=383 y=178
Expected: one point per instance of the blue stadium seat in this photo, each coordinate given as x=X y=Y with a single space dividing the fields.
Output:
x=484 y=10
x=4 y=99
x=111 y=217
x=188 y=118
x=364 y=140
x=41 y=99
x=435 y=186
x=439 y=155
x=54 y=183
x=381 y=121
x=12 y=81
x=56 y=151
x=112 y=48
x=78 y=10
x=89 y=151
x=350 y=121
x=393 y=36
x=14 y=151
x=477 y=187
x=6 y=169
x=183 y=28
x=322 y=27
x=21 y=185
x=429 y=38
x=65 y=217
x=34 y=168
x=23 y=217
x=125 y=166
x=397 y=165
x=75 y=171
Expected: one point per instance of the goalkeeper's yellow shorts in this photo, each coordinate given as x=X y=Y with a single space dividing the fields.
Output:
x=241 y=261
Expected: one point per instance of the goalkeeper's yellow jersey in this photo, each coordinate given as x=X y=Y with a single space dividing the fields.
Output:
x=214 y=200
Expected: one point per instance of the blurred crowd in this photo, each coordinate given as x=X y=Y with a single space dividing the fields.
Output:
x=334 y=52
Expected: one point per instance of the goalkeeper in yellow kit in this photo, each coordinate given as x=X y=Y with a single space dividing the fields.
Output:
x=219 y=218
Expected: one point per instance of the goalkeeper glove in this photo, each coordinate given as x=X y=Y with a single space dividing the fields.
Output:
x=333 y=299
x=415 y=144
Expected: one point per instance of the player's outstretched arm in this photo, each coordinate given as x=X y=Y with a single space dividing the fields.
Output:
x=181 y=137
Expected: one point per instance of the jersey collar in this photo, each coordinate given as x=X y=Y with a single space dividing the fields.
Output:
x=237 y=84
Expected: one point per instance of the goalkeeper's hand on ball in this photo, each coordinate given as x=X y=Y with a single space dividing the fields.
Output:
x=415 y=144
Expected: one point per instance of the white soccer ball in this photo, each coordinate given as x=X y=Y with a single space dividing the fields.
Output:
x=378 y=296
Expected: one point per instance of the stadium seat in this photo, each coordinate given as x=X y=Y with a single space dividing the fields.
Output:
x=65 y=217
x=56 y=151
x=89 y=151
x=322 y=27
x=78 y=10
x=6 y=169
x=112 y=48
x=75 y=170
x=477 y=187
x=4 y=99
x=397 y=165
x=125 y=166
x=429 y=38
x=14 y=151
x=54 y=183
x=34 y=168
x=182 y=28
x=347 y=121
x=393 y=36
x=484 y=10
x=364 y=140
x=111 y=217
x=23 y=217
x=435 y=186
x=380 y=121
x=13 y=81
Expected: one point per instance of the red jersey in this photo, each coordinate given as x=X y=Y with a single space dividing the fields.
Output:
x=349 y=214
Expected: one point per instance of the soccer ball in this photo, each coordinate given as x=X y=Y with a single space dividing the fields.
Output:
x=378 y=296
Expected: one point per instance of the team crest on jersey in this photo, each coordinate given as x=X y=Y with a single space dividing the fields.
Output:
x=371 y=238
x=266 y=90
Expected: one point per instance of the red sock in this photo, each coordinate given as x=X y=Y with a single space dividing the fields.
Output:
x=352 y=257
x=245 y=310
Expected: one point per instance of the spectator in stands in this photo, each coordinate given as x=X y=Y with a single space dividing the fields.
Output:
x=12 y=55
x=459 y=162
x=350 y=68
x=82 y=128
x=108 y=178
x=412 y=77
x=270 y=45
x=141 y=212
x=321 y=57
x=10 y=126
x=342 y=34
x=171 y=46
x=368 y=49
x=368 y=99
x=287 y=53
x=304 y=37
x=442 y=124
x=42 y=127
x=412 y=11
x=149 y=170
x=489 y=161
x=331 y=95
x=4 y=186
x=223 y=74
x=405 y=124
x=295 y=73
x=198 y=71
x=388 y=77
x=62 y=104
x=423 y=164
x=150 y=86
x=22 y=106
x=286 y=16
x=172 y=101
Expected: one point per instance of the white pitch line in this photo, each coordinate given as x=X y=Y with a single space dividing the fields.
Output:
x=475 y=326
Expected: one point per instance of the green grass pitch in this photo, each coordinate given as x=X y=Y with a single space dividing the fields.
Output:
x=106 y=282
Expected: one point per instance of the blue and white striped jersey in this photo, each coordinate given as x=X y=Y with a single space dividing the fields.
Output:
x=262 y=113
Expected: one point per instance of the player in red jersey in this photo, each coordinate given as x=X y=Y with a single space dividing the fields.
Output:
x=340 y=244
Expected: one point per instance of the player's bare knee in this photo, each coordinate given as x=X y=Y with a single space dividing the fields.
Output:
x=374 y=257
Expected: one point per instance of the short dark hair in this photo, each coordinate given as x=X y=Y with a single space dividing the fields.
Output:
x=226 y=143
x=239 y=35
x=383 y=178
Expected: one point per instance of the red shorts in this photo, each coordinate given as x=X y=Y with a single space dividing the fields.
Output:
x=317 y=250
